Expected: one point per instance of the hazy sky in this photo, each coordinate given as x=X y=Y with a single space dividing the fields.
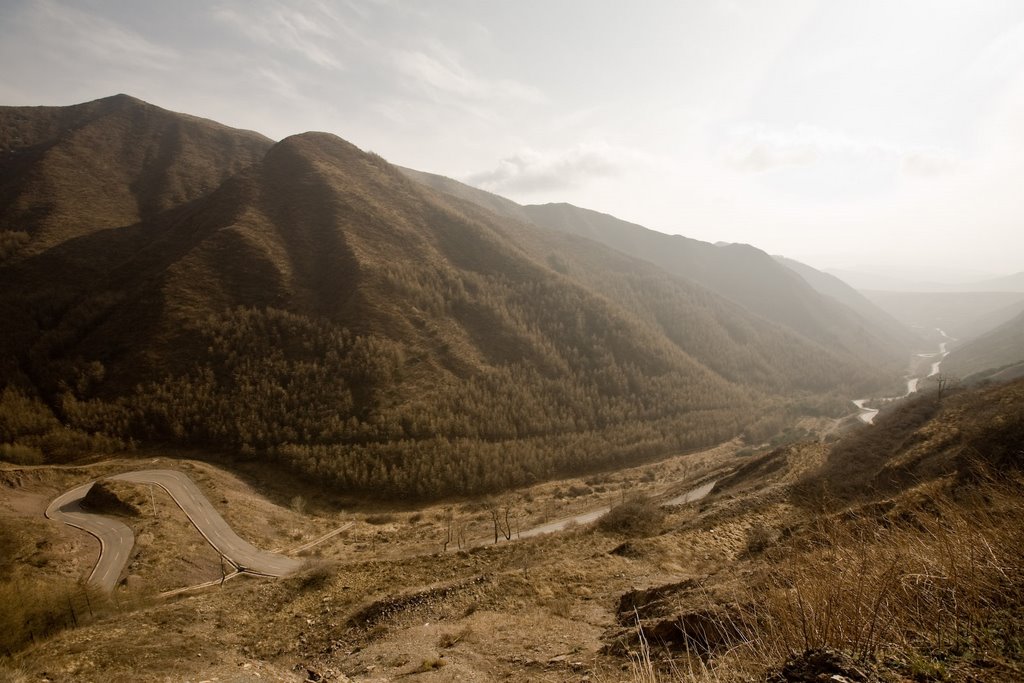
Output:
x=838 y=133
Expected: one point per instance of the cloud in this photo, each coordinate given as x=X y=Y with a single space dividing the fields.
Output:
x=309 y=33
x=440 y=72
x=929 y=162
x=531 y=171
x=756 y=148
x=77 y=34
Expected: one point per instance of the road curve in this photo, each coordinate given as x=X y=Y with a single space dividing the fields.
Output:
x=236 y=550
x=116 y=539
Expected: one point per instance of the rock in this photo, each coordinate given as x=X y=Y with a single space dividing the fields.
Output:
x=651 y=602
x=824 y=666
x=704 y=630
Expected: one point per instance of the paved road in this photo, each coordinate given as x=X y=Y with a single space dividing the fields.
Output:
x=211 y=525
x=593 y=515
x=116 y=539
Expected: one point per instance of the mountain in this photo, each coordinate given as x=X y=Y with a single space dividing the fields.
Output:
x=488 y=200
x=932 y=280
x=1007 y=283
x=319 y=308
x=66 y=172
x=831 y=286
x=963 y=315
x=999 y=351
x=739 y=272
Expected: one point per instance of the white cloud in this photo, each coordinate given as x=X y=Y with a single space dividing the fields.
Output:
x=929 y=162
x=308 y=32
x=531 y=171
x=441 y=73
x=79 y=35
x=757 y=148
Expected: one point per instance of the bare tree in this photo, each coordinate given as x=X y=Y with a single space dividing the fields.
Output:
x=945 y=383
x=502 y=515
x=449 y=520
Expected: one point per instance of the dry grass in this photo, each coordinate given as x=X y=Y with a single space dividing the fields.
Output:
x=925 y=590
x=932 y=578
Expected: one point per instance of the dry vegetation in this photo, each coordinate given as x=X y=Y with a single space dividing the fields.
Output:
x=913 y=582
x=323 y=319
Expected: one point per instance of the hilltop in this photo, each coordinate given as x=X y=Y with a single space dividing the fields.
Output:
x=305 y=302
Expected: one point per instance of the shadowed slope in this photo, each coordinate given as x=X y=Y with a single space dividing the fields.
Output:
x=68 y=171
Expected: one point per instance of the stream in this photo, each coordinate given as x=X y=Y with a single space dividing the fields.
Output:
x=867 y=415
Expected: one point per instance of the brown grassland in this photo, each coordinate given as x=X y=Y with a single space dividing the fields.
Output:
x=779 y=574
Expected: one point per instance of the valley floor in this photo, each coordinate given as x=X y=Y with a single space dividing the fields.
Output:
x=919 y=583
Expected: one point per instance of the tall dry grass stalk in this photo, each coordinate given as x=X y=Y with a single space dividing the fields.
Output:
x=927 y=577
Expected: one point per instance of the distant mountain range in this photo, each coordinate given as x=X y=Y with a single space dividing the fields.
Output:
x=167 y=279
x=885 y=281
x=998 y=353
x=841 y=319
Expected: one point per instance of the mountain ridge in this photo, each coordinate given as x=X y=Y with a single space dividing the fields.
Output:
x=320 y=309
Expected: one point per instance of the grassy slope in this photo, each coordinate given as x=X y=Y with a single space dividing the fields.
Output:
x=999 y=348
x=918 y=581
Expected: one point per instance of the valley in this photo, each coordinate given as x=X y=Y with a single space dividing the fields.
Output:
x=282 y=410
x=387 y=595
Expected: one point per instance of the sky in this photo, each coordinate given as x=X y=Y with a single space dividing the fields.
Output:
x=841 y=133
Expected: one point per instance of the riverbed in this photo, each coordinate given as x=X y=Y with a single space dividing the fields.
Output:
x=867 y=415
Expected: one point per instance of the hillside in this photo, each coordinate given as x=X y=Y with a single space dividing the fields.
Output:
x=962 y=315
x=320 y=309
x=740 y=273
x=1007 y=283
x=831 y=286
x=66 y=172
x=908 y=568
x=998 y=350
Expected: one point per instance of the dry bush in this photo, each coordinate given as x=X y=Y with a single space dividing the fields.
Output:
x=380 y=519
x=637 y=516
x=911 y=588
x=21 y=455
x=9 y=675
x=928 y=580
x=314 y=576
x=450 y=639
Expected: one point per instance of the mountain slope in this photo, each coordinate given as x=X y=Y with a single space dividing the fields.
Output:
x=321 y=309
x=1007 y=283
x=996 y=350
x=831 y=286
x=963 y=315
x=738 y=272
x=69 y=171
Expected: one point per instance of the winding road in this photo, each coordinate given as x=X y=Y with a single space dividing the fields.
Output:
x=116 y=539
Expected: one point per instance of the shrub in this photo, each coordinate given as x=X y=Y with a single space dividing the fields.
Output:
x=637 y=516
x=21 y=455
